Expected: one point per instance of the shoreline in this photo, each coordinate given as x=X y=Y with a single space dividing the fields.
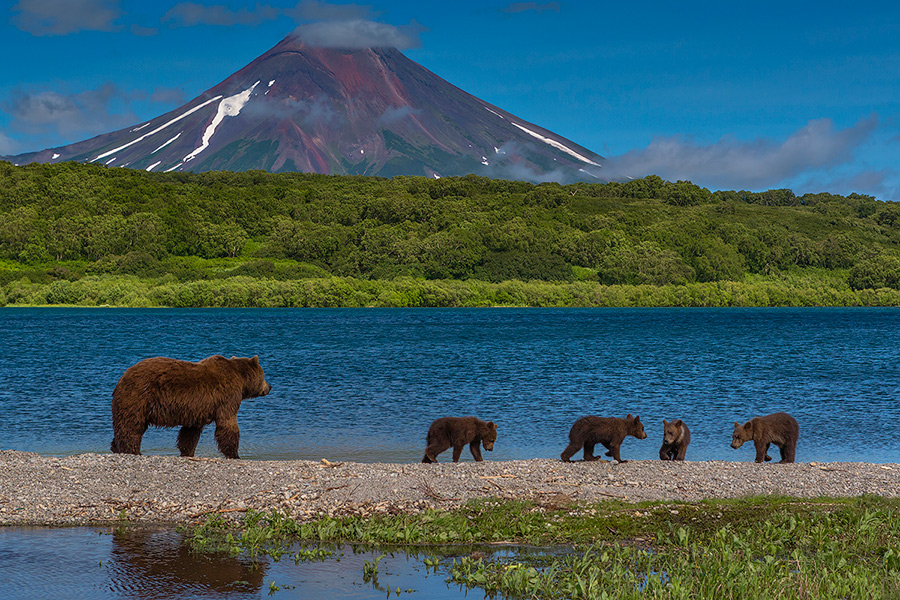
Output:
x=102 y=489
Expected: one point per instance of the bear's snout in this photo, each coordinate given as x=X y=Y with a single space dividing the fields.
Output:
x=267 y=389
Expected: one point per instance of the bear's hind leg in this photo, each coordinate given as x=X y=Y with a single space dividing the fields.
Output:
x=432 y=451
x=228 y=437
x=570 y=451
x=187 y=440
x=589 y=452
x=128 y=442
x=787 y=453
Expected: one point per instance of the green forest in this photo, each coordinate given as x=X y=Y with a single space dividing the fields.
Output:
x=76 y=234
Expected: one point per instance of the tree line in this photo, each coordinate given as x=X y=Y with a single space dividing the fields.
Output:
x=68 y=221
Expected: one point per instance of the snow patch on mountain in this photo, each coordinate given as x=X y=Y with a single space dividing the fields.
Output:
x=178 y=135
x=153 y=166
x=229 y=107
x=556 y=145
x=157 y=130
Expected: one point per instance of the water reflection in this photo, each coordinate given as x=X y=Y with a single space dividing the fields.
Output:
x=150 y=565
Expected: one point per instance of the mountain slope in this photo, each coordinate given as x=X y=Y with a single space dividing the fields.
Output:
x=311 y=109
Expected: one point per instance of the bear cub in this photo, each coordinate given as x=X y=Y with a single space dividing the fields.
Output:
x=779 y=428
x=608 y=431
x=165 y=392
x=676 y=437
x=457 y=432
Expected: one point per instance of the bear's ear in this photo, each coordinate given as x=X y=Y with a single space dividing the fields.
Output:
x=255 y=359
x=736 y=424
x=665 y=422
x=233 y=357
x=492 y=425
x=629 y=417
x=678 y=423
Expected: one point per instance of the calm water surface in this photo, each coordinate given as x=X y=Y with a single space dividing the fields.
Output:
x=102 y=563
x=365 y=384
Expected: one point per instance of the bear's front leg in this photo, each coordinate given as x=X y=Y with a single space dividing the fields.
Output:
x=188 y=438
x=762 y=452
x=614 y=452
x=589 y=452
x=228 y=436
x=476 y=451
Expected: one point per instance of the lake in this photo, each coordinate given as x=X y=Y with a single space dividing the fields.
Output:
x=364 y=384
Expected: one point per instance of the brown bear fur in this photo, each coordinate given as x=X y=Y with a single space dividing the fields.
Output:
x=779 y=428
x=676 y=437
x=608 y=431
x=165 y=392
x=457 y=432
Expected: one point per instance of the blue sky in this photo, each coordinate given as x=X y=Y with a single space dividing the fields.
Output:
x=730 y=95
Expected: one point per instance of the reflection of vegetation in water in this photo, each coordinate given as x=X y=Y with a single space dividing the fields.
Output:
x=150 y=564
x=748 y=548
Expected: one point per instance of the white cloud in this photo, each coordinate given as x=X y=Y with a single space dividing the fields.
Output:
x=61 y=17
x=8 y=146
x=358 y=33
x=735 y=164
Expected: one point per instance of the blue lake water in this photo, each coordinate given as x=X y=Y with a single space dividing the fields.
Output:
x=364 y=384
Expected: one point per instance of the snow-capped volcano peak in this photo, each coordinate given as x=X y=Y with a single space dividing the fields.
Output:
x=339 y=111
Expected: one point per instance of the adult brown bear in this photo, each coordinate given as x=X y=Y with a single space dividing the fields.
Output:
x=778 y=428
x=165 y=392
x=457 y=432
x=589 y=431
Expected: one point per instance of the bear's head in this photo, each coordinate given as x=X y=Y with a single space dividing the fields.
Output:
x=635 y=427
x=490 y=436
x=255 y=384
x=672 y=431
x=742 y=433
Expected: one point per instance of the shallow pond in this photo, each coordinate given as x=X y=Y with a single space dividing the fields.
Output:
x=146 y=564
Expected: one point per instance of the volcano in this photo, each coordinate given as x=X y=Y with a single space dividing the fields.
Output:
x=337 y=111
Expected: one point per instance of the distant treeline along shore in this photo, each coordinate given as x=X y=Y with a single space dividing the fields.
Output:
x=75 y=234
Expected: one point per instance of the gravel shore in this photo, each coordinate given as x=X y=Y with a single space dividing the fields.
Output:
x=90 y=489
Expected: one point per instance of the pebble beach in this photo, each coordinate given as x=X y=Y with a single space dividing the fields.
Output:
x=94 y=489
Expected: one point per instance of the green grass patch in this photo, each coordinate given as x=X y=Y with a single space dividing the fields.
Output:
x=767 y=547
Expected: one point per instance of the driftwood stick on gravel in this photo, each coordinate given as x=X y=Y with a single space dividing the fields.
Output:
x=429 y=491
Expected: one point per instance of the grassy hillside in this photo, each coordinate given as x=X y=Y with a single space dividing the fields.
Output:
x=85 y=234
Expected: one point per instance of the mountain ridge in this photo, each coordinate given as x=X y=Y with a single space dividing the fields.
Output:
x=366 y=111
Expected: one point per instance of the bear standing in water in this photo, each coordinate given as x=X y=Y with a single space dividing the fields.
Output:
x=457 y=432
x=165 y=392
x=779 y=428
x=676 y=437
x=589 y=431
